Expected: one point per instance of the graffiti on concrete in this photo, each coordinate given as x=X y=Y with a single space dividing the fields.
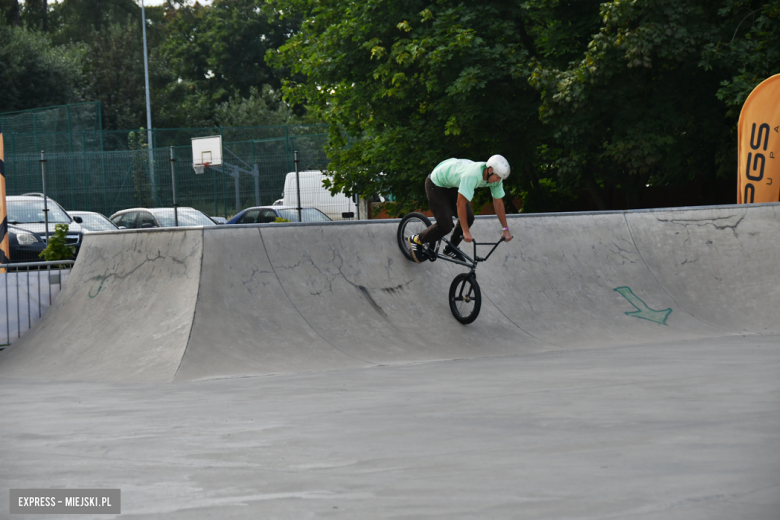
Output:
x=642 y=310
x=100 y=279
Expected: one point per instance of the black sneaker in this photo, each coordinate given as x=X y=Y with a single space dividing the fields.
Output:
x=453 y=253
x=417 y=248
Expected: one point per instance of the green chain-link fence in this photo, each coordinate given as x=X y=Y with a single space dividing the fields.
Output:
x=107 y=182
x=60 y=129
x=90 y=169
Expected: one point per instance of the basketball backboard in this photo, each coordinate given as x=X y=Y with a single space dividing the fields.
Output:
x=206 y=151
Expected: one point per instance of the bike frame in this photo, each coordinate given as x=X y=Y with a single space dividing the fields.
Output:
x=472 y=262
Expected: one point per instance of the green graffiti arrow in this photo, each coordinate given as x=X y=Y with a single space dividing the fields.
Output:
x=642 y=310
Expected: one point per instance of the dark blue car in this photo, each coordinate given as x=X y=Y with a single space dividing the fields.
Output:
x=24 y=246
x=267 y=214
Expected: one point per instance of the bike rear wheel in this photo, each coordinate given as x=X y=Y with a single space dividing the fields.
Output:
x=411 y=224
x=465 y=298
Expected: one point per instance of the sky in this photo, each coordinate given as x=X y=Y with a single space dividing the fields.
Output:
x=161 y=2
x=148 y=3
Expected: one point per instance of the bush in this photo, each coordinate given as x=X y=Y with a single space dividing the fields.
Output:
x=58 y=248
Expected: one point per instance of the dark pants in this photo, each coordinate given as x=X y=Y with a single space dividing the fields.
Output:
x=444 y=205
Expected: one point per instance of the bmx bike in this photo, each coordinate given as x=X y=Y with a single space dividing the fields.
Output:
x=465 y=295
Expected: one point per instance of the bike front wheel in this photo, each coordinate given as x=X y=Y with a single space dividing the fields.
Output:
x=465 y=298
x=411 y=224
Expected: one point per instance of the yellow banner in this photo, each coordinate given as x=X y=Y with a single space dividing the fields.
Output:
x=759 y=144
x=4 y=253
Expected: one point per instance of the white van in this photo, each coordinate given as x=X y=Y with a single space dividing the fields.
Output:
x=314 y=195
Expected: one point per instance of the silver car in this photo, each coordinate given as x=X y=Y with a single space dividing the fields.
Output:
x=147 y=218
x=93 y=221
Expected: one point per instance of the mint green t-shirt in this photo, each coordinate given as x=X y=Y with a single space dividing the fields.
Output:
x=466 y=176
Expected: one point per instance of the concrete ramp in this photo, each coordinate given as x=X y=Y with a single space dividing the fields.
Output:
x=126 y=316
x=181 y=305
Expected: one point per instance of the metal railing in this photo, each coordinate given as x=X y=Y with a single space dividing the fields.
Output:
x=27 y=290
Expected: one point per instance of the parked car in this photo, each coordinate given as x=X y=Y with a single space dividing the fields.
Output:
x=219 y=220
x=93 y=221
x=266 y=214
x=145 y=218
x=24 y=246
x=26 y=212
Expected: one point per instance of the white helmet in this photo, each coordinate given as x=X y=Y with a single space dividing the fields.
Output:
x=500 y=166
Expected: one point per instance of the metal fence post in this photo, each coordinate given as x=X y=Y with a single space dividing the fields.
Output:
x=256 y=175
x=70 y=161
x=238 y=198
x=85 y=203
x=45 y=197
x=173 y=188
x=298 y=186
x=287 y=148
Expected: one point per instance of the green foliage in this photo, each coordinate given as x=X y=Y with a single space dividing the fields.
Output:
x=142 y=186
x=749 y=47
x=10 y=13
x=629 y=90
x=58 y=248
x=36 y=73
x=218 y=50
x=545 y=195
x=201 y=57
x=406 y=84
x=83 y=20
x=110 y=34
x=281 y=219
x=258 y=109
x=114 y=64
x=637 y=109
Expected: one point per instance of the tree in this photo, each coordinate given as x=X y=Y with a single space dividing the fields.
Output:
x=746 y=53
x=405 y=84
x=638 y=109
x=258 y=109
x=32 y=14
x=10 y=13
x=748 y=48
x=114 y=64
x=81 y=20
x=36 y=73
x=218 y=50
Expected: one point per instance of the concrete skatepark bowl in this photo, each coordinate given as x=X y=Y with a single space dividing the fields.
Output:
x=624 y=365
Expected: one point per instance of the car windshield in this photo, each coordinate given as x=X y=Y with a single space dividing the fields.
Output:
x=307 y=214
x=95 y=222
x=31 y=212
x=187 y=217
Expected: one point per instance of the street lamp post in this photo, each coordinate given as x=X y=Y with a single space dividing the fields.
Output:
x=148 y=108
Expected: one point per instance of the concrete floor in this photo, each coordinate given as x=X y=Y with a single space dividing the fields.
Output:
x=679 y=430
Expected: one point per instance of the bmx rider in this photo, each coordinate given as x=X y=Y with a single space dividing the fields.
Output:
x=450 y=189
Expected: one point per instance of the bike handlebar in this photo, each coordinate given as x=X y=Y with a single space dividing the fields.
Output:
x=502 y=239
x=494 y=244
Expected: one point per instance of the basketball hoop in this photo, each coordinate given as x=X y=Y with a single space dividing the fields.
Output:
x=206 y=151
x=200 y=168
